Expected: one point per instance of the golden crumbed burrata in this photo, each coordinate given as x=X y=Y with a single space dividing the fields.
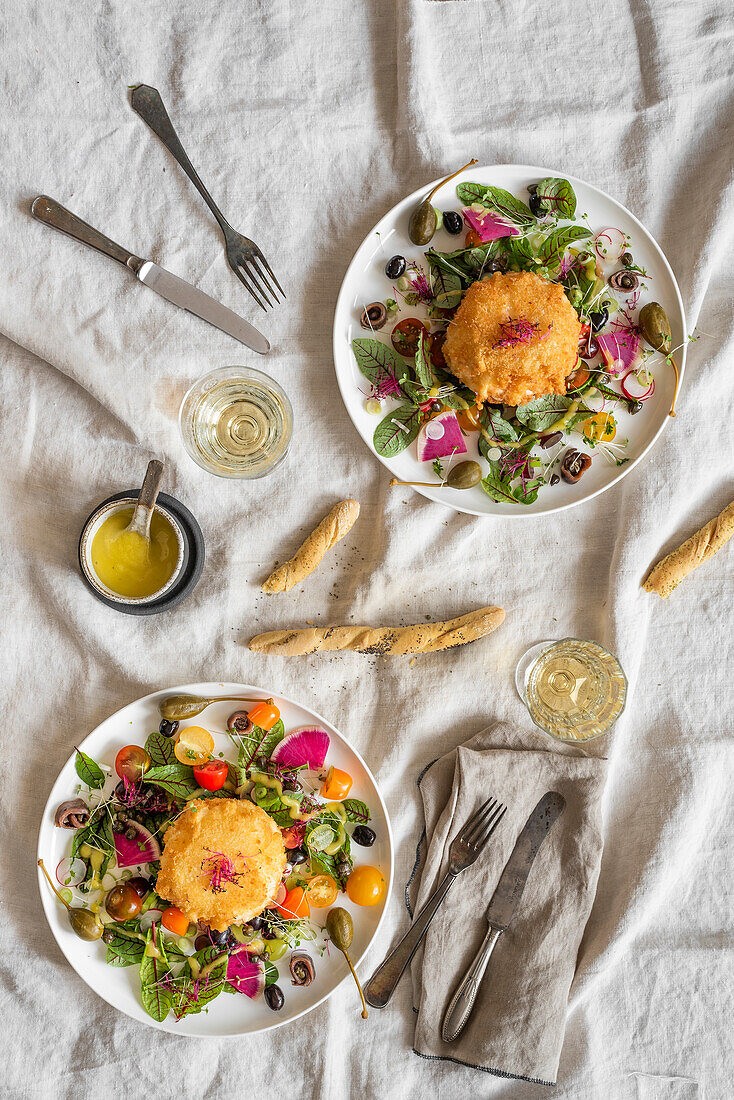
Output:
x=222 y=861
x=513 y=366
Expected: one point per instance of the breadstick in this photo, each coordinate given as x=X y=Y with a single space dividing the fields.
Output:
x=307 y=557
x=668 y=573
x=386 y=641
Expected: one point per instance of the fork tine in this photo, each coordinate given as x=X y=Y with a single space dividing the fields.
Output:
x=475 y=822
x=490 y=827
x=263 y=276
x=244 y=282
x=481 y=824
x=251 y=275
x=268 y=268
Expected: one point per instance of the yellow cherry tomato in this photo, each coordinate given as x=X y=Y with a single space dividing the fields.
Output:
x=365 y=886
x=337 y=785
x=321 y=891
x=194 y=745
x=600 y=428
x=264 y=714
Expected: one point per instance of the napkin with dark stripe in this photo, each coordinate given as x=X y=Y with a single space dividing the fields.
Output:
x=517 y=1025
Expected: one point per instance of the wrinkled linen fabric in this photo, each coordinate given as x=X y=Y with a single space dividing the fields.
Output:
x=308 y=122
x=518 y=1018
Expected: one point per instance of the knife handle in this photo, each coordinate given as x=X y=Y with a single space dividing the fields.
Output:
x=462 y=1002
x=52 y=213
x=381 y=986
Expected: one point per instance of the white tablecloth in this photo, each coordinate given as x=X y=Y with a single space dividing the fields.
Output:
x=308 y=121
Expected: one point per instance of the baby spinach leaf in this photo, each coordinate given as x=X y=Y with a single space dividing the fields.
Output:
x=556 y=243
x=447 y=287
x=160 y=749
x=175 y=779
x=499 y=428
x=538 y=415
x=356 y=810
x=422 y=366
x=89 y=771
x=376 y=359
x=397 y=430
x=271 y=973
x=498 y=200
x=557 y=196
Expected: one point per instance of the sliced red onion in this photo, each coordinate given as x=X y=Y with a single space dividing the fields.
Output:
x=610 y=244
x=70 y=872
x=633 y=388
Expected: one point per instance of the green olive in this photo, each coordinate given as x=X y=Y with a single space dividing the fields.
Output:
x=84 y=924
x=423 y=223
x=340 y=928
x=655 y=327
x=464 y=476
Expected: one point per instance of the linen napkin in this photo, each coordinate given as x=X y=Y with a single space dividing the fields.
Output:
x=517 y=1025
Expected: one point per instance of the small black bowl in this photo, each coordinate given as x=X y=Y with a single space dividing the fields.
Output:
x=193 y=559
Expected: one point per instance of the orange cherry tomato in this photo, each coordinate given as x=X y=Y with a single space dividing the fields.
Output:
x=175 y=921
x=293 y=837
x=366 y=886
x=469 y=418
x=405 y=336
x=212 y=775
x=131 y=762
x=601 y=428
x=295 y=904
x=264 y=714
x=194 y=745
x=337 y=785
x=322 y=891
x=472 y=239
x=577 y=378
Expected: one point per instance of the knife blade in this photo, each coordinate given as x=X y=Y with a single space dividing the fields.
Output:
x=163 y=282
x=509 y=889
x=502 y=908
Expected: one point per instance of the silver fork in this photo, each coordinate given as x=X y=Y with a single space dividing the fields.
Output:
x=464 y=850
x=243 y=255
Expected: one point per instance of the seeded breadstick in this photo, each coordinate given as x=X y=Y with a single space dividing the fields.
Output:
x=668 y=573
x=308 y=556
x=384 y=640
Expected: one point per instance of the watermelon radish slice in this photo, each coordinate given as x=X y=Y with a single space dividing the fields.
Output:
x=306 y=745
x=488 y=226
x=620 y=350
x=144 y=848
x=440 y=437
x=245 y=975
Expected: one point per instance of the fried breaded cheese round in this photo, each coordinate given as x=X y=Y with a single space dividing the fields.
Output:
x=222 y=861
x=513 y=338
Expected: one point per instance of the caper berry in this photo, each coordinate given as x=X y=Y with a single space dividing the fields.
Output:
x=655 y=327
x=423 y=223
x=464 y=476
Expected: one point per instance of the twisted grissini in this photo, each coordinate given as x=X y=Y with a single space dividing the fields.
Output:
x=308 y=556
x=668 y=573
x=382 y=640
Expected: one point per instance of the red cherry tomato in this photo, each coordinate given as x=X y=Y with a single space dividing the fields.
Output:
x=211 y=776
x=577 y=378
x=437 y=356
x=131 y=762
x=264 y=714
x=292 y=837
x=405 y=336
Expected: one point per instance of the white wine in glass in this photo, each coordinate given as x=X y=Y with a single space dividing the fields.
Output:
x=574 y=690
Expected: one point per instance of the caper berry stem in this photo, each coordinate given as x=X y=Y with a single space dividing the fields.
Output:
x=430 y=484
x=58 y=895
x=453 y=175
x=359 y=987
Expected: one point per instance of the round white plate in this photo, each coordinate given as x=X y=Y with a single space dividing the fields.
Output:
x=365 y=281
x=227 y=1015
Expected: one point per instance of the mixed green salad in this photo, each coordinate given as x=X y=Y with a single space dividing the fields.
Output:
x=526 y=447
x=108 y=880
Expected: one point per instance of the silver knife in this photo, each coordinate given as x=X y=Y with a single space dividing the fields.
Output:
x=169 y=286
x=502 y=907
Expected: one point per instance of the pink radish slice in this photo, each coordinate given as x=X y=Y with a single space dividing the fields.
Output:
x=620 y=351
x=306 y=745
x=489 y=227
x=440 y=437
x=144 y=848
x=610 y=244
x=70 y=872
x=631 y=387
x=245 y=975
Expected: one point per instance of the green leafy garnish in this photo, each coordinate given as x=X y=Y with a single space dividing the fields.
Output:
x=422 y=365
x=498 y=200
x=558 y=240
x=397 y=430
x=539 y=415
x=376 y=359
x=494 y=422
x=176 y=779
x=156 y=997
x=447 y=286
x=160 y=749
x=89 y=771
x=557 y=196
x=256 y=742
x=356 y=811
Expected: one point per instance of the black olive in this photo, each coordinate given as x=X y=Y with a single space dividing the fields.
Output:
x=168 y=729
x=232 y=940
x=532 y=188
x=598 y=319
x=255 y=923
x=268 y=934
x=536 y=206
x=140 y=885
x=634 y=407
x=373 y=316
x=296 y=856
x=219 y=939
x=364 y=835
x=453 y=222
x=274 y=997
x=395 y=267
x=202 y=941
x=551 y=440
x=555 y=479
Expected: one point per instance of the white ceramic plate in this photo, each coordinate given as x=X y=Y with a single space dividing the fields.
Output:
x=365 y=281
x=227 y=1015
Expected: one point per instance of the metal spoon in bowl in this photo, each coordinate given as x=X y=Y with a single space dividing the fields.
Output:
x=141 y=517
